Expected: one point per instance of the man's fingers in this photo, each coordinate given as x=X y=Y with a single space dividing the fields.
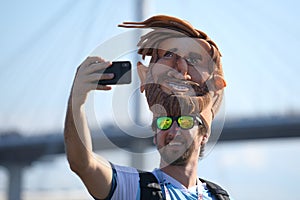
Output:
x=93 y=78
x=91 y=60
x=103 y=87
x=95 y=67
x=95 y=86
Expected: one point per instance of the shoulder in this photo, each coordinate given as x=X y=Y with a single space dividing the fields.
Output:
x=127 y=182
x=125 y=169
x=126 y=174
x=215 y=189
x=156 y=172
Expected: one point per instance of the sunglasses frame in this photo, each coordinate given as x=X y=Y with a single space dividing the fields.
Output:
x=175 y=118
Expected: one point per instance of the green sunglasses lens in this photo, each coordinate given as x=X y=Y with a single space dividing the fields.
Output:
x=185 y=122
x=164 y=123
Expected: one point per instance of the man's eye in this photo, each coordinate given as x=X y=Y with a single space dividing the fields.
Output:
x=193 y=61
x=169 y=54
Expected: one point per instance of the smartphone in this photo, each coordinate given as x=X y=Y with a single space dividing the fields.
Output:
x=121 y=71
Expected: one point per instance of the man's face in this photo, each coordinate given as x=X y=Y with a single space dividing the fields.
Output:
x=182 y=62
x=176 y=146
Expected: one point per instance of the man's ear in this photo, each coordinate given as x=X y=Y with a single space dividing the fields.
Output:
x=205 y=138
x=207 y=115
x=142 y=72
x=219 y=81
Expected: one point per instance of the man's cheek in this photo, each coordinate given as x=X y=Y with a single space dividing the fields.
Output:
x=159 y=70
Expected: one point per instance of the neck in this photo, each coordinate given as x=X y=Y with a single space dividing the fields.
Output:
x=185 y=174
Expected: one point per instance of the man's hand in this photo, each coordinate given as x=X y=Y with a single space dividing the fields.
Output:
x=87 y=76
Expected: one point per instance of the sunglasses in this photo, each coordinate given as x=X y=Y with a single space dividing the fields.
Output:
x=184 y=122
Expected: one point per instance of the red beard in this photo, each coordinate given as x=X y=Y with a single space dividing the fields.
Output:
x=161 y=102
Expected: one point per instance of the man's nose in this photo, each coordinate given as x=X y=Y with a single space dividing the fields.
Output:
x=174 y=129
x=182 y=67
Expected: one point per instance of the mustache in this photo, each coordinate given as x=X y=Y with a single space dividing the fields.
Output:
x=176 y=80
x=161 y=102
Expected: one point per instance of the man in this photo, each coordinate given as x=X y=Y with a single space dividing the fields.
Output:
x=184 y=89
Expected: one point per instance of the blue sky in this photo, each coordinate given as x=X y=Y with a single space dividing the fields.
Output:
x=43 y=42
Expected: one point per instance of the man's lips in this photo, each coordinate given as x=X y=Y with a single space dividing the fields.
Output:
x=177 y=141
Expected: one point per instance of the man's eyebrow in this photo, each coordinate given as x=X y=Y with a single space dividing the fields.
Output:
x=173 y=50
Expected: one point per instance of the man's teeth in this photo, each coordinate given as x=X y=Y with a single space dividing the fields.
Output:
x=179 y=87
x=175 y=143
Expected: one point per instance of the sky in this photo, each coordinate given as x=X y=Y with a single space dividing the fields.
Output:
x=43 y=42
